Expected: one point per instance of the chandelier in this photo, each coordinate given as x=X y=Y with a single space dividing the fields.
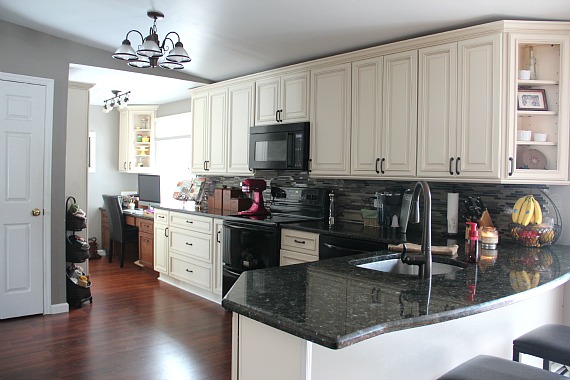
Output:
x=151 y=52
x=117 y=101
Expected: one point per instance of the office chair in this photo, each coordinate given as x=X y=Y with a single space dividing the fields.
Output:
x=118 y=230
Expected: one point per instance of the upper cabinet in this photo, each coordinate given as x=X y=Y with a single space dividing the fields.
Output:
x=459 y=107
x=282 y=98
x=136 y=139
x=538 y=117
x=221 y=118
x=330 y=121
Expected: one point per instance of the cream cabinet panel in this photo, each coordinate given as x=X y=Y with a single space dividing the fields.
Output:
x=479 y=99
x=366 y=117
x=217 y=131
x=330 y=120
x=193 y=222
x=217 y=252
x=290 y=257
x=161 y=241
x=199 y=132
x=282 y=99
x=191 y=271
x=136 y=139
x=399 y=99
x=529 y=160
x=298 y=247
x=437 y=111
x=192 y=244
x=240 y=119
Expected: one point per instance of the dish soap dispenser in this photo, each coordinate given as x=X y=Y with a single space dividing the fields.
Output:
x=473 y=243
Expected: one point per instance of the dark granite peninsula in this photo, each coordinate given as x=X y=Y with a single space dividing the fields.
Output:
x=332 y=319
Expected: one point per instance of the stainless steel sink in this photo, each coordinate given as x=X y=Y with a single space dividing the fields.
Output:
x=398 y=267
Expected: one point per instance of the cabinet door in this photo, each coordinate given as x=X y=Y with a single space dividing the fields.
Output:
x=217 y=127
x=366 y=117
x=479 y=99
x=398 y=158
x=124 y=142
x=330 y=120
x=199 y=132
x=550 y=164
x=240 y=119
x=161 y=247
x=295 y=97
x=437 y=110
x=267 y=100
x=217 y=267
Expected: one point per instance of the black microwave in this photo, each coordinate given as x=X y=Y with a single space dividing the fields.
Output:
x=279 y=147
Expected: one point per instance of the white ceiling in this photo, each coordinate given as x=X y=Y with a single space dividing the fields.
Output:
x=229 y=38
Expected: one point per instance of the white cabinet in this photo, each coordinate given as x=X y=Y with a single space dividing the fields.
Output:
x=218 y=246
x=298 y=247
x=540 y=106
x=399 y=105
x=209 y=131
x=136 y=139
x=330 y=120
x=221 y=118
x=459 y=112
x=282 y=98
x=240 y=119
x=161 y=218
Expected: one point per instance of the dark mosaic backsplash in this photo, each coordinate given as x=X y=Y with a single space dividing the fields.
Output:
x=354 y=195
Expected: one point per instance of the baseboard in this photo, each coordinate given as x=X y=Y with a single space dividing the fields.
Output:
x=59 y=308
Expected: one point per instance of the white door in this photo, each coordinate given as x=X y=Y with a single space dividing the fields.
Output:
x=22 y=123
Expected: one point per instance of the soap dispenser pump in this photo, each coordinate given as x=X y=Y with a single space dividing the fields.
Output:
x=473 y=243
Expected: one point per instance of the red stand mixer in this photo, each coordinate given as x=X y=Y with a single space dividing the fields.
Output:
x=255 y=186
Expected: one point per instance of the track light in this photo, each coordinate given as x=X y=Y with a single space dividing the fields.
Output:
x=119 y=100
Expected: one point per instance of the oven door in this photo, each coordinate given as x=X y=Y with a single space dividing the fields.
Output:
x=247 y=246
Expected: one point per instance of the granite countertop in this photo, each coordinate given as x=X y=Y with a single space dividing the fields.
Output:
x=336 y=304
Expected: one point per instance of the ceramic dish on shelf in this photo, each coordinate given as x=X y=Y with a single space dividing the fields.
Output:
x=523 y=135
x=533 y=159
x=539 y=137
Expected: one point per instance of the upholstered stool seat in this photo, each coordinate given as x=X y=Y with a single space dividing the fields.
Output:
x=493 y=368
x=549 y=342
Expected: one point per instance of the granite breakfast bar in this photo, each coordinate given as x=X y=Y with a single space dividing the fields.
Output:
x=331 y=319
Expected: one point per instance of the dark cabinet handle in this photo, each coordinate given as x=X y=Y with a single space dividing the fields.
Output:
x=299 y=241
x=205 y=166
x=166 y=232
x=277 y=116
x=457 y=165
x=511 y=164
x=189 y=221
x=218 y=237
x=189 y=271
x=188 y=243
x=382 y=165
x=451 y=165
x=310 y=164
x=130 y=165
x=125 y=165
x=376 y=166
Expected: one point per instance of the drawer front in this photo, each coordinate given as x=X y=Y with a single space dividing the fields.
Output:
x=305 y=242
x=190 y=271
x=145 y=226
x=191 y=244
x=192 y=222
x=289 y=257
x=130 y=220
x=161 y=216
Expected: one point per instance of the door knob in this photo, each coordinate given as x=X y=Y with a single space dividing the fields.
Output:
x=36 y=212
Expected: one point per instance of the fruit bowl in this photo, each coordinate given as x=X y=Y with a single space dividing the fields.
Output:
x=532 y=235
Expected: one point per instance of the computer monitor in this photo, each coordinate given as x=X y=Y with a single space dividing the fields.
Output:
x=149 y=189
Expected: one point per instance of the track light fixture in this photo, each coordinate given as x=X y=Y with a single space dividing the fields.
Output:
x=117 y=101
x=151 y=52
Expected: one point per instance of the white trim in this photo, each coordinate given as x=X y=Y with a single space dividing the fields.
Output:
x=48 y=131
x=206 y=294
x=59 y=308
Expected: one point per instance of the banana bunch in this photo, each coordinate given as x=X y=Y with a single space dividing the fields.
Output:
x=527 y=210
x=522 y=280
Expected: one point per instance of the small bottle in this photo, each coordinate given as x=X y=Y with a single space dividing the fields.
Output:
x=473 y=243
x=532 y=65
x=332 y=209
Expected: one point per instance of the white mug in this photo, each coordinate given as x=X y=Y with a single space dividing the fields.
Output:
x=524 y=74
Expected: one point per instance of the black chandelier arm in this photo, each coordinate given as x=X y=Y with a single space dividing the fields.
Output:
x=168 y=34
x=136 y=31
x=163 y=47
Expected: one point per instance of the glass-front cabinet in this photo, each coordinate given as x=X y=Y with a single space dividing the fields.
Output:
x=136 y=139
x=538 y=108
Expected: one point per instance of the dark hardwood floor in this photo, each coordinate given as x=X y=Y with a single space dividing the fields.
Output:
x=137 y=327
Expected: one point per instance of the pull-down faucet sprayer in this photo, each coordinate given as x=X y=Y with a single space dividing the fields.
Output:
x=423 y=259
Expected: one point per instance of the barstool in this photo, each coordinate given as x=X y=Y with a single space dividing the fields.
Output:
x=549 y=342
x=490 y=367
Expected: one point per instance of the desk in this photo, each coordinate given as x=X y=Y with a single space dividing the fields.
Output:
x=145 y=225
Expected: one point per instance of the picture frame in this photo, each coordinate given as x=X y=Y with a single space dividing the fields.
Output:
x=531 y=99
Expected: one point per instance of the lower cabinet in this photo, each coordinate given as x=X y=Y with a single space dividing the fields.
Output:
x=298 y=247
x=146 y=242
x=189 y=270
x=160 y=259
x=104 y=231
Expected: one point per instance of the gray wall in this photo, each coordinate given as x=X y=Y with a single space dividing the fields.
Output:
x=28 y=52
x=106 y=179
x=174 y=108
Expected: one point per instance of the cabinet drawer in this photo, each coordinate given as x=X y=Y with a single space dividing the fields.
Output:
x=145 y=226
x=289 y=257
x=130 y=220
x=193 y=222
x=161 y=216
x=299 y=241
x=192 y=244
x=190 y=271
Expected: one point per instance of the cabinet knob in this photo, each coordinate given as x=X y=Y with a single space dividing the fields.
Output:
x=188 y=243
x=376 y=166
x=511 y=164
x=382 y=165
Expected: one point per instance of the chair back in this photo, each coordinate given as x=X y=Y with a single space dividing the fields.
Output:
x=115 y=217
